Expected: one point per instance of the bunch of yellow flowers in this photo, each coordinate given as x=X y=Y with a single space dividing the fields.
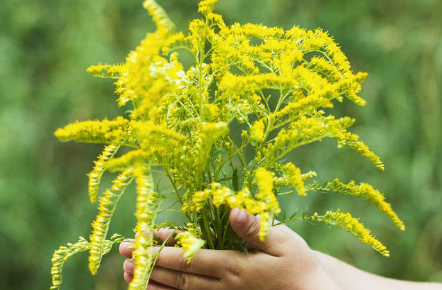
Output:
x=274 y=84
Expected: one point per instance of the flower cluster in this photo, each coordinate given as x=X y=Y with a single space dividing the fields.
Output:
x=189 y=242
x=352 y=225
x=65 y=252
x=275 y=85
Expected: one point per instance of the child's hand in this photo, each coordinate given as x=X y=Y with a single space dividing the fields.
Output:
x=282 y=261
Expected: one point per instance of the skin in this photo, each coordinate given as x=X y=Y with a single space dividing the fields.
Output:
x=282 y=261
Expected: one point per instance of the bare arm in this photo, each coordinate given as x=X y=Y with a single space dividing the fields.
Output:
x=351 y=278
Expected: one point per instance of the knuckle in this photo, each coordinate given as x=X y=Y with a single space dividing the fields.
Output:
x=185 y=265
x=233 y=269
x=180 y=280
x=252 y=230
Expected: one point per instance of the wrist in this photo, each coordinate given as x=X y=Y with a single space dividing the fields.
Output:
x=322 y=281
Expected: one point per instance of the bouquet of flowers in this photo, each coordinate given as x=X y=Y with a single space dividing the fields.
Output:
x=220 y=131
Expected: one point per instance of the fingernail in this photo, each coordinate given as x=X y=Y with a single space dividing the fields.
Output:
x=125 y=245
x=241 y=216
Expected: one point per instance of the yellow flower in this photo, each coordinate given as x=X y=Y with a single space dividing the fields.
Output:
x=145 y=214
x=211 y=111
x=61 y=255
x=100 y=227
x=364 y=191
x=206 y=6
x=96 y=174
x=189 y=243
x=143 y=259
x=352 y=225
x=257 y=130
x=105 y=131
x=294 y=177
x=106 y=70
x=264 y=179
x=159 y=16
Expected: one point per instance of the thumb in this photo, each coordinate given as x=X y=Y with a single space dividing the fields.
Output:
x=247 y=227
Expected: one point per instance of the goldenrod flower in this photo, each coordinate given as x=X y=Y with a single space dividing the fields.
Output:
x=189 y=243
x=159 y=16
x=352 y=225
x=146 y=199
x=100 y=226
x=95 y=176
x=206 y=6
x=275 y=86
x=65 y=252
x=364 y=191
x=294 y=178
x=106 y=70
x=106 y=131
x=143 y=258
x=264 y=179
x=257 y=130
x=61 y=255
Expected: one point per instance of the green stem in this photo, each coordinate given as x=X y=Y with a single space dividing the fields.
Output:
x=218 y=228
x=290 y=220
x=230 y=156
x=177 y=192
x=207 y=231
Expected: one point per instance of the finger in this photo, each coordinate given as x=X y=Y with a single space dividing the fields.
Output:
x=126 y=249
x=182 y=280
x=166 y=234
x=248 y=226
x=128 y=277
x=153 y=285
x=129 y=266
x=211 y=263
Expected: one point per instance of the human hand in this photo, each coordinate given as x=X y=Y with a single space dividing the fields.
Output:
x=282 y=261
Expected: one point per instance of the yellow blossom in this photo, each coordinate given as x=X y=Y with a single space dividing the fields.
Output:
x=189 y=243
x=257 y=130
x=264 y=179
x=95 y=176
x=146 y=199
x=206 y=6
x=352 y=225
x=364 y=191
x=159 y=16
x=100 y=226
x=294 y=177
x=105 y=131
x=106 y=70
x=61 y=255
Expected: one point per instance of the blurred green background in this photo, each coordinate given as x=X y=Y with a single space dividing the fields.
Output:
x=45 y=47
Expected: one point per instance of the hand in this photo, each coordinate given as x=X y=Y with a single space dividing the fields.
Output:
x=282 y=261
